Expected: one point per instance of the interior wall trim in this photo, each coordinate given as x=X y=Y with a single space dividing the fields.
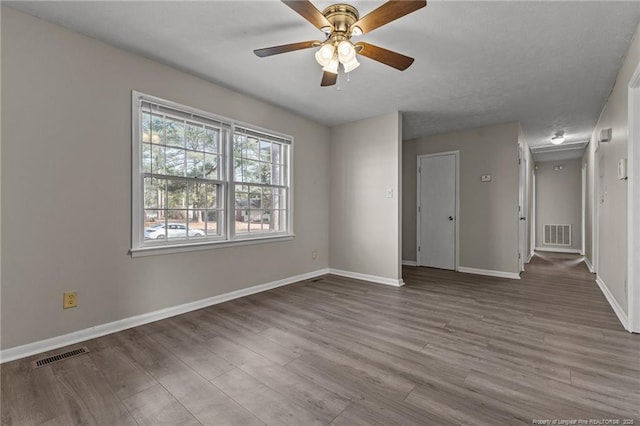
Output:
x=559 y=250
x=40 y=346
x=622 y=316
x=409 y=262
x=589 y=265
x=490 y=273
x=370 y=278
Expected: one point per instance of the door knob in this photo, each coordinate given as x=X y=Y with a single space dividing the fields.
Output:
x=523 y=218
x=450 y=217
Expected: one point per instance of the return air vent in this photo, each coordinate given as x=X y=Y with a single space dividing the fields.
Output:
x=557 y=235
x=60 y=357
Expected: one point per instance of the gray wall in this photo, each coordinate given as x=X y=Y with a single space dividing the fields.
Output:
x=66 y=187
x=365 y=224
x=559 y=199
x=611 y=193
x=488 y=211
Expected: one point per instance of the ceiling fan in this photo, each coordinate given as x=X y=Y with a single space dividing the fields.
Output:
x=340 y=22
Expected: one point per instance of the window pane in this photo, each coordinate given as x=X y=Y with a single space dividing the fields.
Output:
x=195 y=164
x=265 y=151
x=238 y=169
x=175 y=161
x=265 y=173
x=255 y=198
x=242 y=222
x=242 y=200
x=211 y=169
x=195 y=137
x=146 y=158
x=250 y=171
x=251 y=148
x=153 y=216
x=196 y=221
x=152 y=192
x=177 y=224
x=211 y=141
x=276 y=174
x=267 y=198
x=211 y=200
x=157 y=159
x=276 y=154
x=176 y=194
x=197 y=195
x=145 y=123
x=175 y=132
x=214 y=223
x=155 y=231
x=157 y=130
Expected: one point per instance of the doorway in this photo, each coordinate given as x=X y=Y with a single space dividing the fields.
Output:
x=437 y=210
x=524 y=243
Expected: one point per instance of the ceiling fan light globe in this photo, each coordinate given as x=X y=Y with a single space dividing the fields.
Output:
x=332 y=67
x=351 y=65
x=356 y=31
x=324 y=55
x=346 y=52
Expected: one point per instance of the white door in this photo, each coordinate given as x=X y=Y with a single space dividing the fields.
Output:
x=523 y=212
x=437 y=211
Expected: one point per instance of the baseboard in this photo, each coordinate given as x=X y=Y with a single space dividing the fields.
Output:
x=490 y=273
x=123 y=324
x=530 y=257
x=614 y=303
x=409 y=262
x=365 y=277
x=559 y=250
x=589 y=265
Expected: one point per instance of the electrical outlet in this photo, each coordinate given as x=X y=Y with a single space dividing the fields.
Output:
x=70 y=300
x=314 y=255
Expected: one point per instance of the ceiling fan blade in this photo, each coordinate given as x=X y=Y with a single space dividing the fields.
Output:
x=275 y=50
x=328 y=79
x=309 y=12
x=387 y=57
x=390 y=11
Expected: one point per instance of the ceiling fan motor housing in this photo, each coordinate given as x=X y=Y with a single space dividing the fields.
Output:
x=342 y=17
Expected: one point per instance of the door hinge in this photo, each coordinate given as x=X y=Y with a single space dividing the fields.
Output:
x=419 y=209
x=418 y=248
x=419 y=169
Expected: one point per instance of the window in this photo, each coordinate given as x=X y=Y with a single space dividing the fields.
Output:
x=200 y=180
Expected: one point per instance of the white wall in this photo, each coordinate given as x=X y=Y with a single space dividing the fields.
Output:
x=365 y=228
x=66 y=187
x=488 y=210
x=611 y=193
x=559 y=199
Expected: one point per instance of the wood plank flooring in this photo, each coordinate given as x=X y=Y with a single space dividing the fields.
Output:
x=447 y=348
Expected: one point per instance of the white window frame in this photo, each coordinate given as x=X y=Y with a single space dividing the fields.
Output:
x=228 y=237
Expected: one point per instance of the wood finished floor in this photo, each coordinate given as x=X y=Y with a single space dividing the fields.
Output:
x=447 y=348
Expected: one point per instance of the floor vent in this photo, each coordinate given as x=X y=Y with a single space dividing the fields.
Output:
x=557 y=235
x=60 y=357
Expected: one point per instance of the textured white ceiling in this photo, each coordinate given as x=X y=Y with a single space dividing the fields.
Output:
x=549 y=65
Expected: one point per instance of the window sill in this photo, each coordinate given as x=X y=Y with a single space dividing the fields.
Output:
x=208 y=245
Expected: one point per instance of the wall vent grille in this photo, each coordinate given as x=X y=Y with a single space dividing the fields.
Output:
x=60 y=357
x=557 y=235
